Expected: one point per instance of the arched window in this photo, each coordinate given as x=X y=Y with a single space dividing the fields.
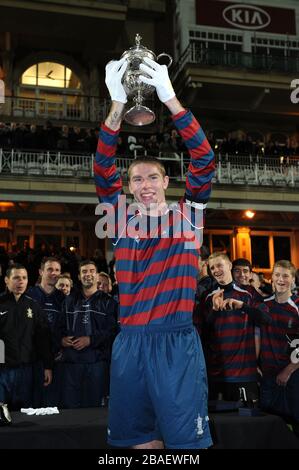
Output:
x=50 y=90
x=51 y=74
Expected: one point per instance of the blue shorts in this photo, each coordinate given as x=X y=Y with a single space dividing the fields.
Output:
x=158 y=388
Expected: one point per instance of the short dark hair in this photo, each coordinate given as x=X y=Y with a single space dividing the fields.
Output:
x=85 y=262
x=242 y=262
x=14 y=266
x=50 y=259
x=149 y=160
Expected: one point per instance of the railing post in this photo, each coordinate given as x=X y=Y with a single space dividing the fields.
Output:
x=256 y=173
x=12 y=158
x=59 y=162
x=292 y=175
x=48 y=162
x=219 y=168
x=182 y=166
x=64 y=106
x=91 y=165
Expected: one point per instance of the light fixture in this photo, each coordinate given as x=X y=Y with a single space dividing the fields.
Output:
x=249 y=214
x=5 y=205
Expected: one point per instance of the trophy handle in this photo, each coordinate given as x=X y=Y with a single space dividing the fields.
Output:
x=166 y=55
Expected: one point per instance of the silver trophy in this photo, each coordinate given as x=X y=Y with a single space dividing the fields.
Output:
x=139 y=115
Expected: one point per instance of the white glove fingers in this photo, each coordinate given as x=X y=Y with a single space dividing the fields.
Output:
x=147 y=70
x=115 y=65
x=123 y=68
x=110 y=65
x=149 y=81
x=154 y=65
x=120 y=63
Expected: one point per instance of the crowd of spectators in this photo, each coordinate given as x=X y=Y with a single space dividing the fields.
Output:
x=31 y=260
x=75 y=139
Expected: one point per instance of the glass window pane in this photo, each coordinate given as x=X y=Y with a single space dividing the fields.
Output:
x=260 y=252
x=282 y=248
x=51 y=74
x=29 y=76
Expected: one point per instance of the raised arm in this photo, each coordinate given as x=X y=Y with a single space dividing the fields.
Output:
x=107 y=178
x=202 y=165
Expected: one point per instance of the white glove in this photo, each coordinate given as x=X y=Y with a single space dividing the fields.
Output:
x=159 y=79
x=115 y=70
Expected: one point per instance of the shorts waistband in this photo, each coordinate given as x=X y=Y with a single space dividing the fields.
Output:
x=149 y=328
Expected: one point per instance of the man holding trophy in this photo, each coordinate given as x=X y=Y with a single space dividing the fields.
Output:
x=158 y=393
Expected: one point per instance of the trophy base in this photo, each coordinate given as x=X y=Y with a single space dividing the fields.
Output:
x=139 y=116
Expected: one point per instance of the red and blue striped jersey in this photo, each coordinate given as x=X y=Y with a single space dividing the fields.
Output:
x=157 y=275
x=228 y=338
x=275 y=349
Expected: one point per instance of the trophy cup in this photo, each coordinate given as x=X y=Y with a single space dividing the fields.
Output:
x=139 y=115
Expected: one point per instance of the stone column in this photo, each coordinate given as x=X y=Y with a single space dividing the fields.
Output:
x=243 y=244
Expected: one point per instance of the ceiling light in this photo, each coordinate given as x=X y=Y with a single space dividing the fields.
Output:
x=249 y=214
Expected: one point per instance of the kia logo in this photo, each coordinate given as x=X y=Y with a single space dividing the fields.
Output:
x=246 y=16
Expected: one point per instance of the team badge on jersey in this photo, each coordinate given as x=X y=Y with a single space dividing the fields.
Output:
x=29 y=313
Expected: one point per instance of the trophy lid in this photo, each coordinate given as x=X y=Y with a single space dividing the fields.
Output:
x=138 y=47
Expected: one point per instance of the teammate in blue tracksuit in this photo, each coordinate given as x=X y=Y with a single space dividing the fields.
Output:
x=50 y=300
x=88 y=328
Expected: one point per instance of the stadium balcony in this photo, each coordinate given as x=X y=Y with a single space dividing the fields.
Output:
x=79 y=108
x=222 y=73
x=230 y=169
x=196 y=54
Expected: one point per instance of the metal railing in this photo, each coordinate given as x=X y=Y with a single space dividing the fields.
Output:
x=70 y=107
x=195 y=53
x=230 y=169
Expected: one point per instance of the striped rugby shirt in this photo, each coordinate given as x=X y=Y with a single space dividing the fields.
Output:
x=275 y=350
x=157 y=275
x=228 y=337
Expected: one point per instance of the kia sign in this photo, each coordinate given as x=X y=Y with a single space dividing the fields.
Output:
x=245 y=17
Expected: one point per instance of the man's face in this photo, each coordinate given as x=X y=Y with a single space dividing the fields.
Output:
x=88 y=276
x=282 y=280
x=148 y=185
x=50 y=273
x=242 y=275
x=17 y=281
x=64 y=284
x=221 y=270
x=103 y=284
